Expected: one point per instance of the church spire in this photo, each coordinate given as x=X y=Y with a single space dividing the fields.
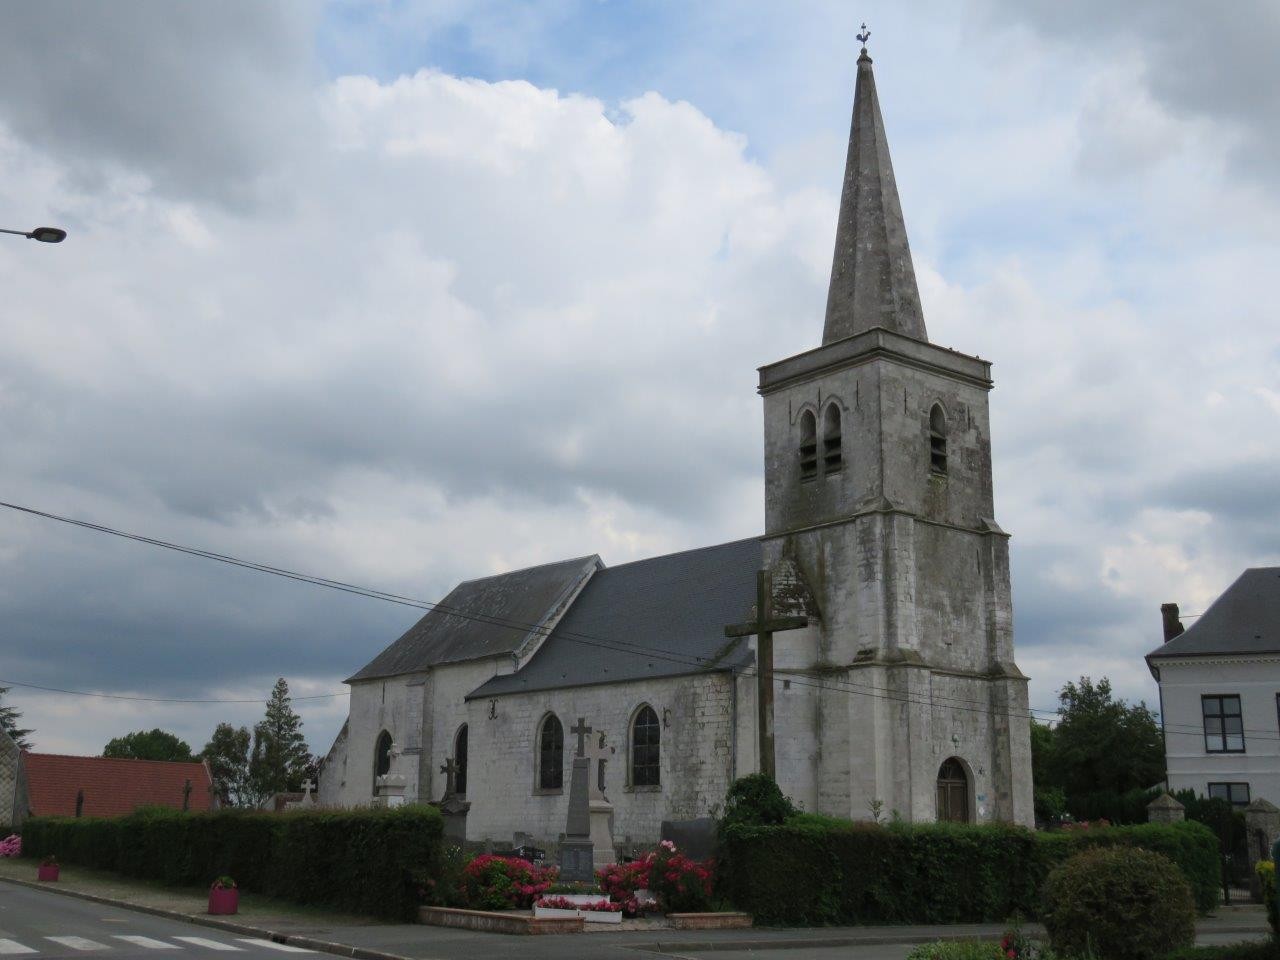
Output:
x=873 y=283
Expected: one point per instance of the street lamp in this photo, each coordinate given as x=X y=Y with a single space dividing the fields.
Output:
x=43 y=234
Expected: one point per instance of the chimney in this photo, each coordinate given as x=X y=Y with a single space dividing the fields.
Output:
x=1172 y=625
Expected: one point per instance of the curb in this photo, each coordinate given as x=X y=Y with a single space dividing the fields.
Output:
x=261 y=933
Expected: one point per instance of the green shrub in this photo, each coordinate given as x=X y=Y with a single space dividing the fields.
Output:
x=1120 y=902
x=375 y=862
x=1266 y=870
x=1247 y=950
x=755 y=800
x=818 y=870
x=957 y=950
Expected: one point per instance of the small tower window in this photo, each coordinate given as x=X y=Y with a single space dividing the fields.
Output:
x=551 y=754
x=937 y=440
x=832 y=457
x=808 y=445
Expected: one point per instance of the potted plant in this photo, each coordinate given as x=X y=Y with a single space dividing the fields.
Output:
x=48 y=869
x=224 y=898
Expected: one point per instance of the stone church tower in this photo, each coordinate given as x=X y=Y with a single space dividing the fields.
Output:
x=878 y=499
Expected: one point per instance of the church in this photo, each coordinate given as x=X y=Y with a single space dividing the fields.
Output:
x=894 y=688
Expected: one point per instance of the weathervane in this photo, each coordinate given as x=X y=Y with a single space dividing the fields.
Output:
x=864 y=36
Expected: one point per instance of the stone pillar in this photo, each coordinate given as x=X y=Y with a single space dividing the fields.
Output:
x=1165 y=809
x=391 y=790
x=1262 y=828
x=576 y=860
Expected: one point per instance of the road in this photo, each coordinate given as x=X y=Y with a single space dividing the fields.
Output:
x=46 y=926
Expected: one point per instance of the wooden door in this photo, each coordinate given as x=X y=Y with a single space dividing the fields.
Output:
x=953 y=793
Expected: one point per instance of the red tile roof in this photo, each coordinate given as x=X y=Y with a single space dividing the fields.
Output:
x=111 y=787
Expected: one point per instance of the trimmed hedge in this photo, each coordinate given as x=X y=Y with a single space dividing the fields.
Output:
x=374 y=862
x=814 y=870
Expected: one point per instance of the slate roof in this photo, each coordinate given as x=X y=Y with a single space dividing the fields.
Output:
x=675 y=607
x=1245 y=619
x=497 y=615
x=112 y=787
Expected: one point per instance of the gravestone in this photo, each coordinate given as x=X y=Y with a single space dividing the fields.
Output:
x=601 y=810
x=1262 y=827
x=694 y=838
x=576 y=861
x=451 y=806
x=392 y=785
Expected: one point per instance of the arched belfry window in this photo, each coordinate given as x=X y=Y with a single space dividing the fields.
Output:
x=646 y=736
x=808 y=445
x=937 y=440
x=551 y=754
x=832 y=455
x=460 y=760
x=381 y=757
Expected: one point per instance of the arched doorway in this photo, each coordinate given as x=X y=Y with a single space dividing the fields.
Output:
x=953 y=792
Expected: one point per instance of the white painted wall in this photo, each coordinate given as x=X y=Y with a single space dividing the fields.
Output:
x=1256 y=680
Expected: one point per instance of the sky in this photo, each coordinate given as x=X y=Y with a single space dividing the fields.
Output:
x=405 y=293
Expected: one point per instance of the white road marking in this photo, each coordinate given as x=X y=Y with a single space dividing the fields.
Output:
x=78 y=943
x=13 y=946
x=272 y=945
x=149 y=942
x=211 y=944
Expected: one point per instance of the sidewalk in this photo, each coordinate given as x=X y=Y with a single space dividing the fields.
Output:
x=361 y=937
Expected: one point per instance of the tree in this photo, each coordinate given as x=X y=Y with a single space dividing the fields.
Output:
x=280 y=758
x=148 y=745
x=1104 y=744
x=227 y=754
x=9 y=717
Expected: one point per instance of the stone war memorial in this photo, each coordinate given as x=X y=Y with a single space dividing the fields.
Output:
x=859 y=649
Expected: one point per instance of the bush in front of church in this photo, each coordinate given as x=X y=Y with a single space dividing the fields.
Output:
x=681 y=885
x=755 y=800
x=1118 y=902
x=492 y=882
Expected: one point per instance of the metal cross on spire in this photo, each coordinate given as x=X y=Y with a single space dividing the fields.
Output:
x=864 y=36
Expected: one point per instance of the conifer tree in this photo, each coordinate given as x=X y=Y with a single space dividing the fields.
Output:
x=281 y=758
x=9 y=717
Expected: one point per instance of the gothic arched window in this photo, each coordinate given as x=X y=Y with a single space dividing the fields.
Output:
x=832 y=455
x=808 y=445
x=646 y=738
x=460 y=760
x=551 y=754
x=937 y=440
x=381 y=757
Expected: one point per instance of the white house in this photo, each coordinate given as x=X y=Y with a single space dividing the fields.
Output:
x=1220 y=693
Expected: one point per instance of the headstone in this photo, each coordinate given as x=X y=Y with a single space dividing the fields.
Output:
x=576 y=861
x=1262 y=827
x=308 y=799
x=393 y=785
x=601 y=810
x=1165 y=809
x=451 y=806
x=694 y=838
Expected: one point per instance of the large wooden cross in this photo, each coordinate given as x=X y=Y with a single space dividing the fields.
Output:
x=763 y=627
x=580 y=730
x=450 y=770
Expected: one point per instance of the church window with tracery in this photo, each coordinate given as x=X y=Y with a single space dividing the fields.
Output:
x=460 y=760
x=937 y=440
x=832 y=454
x=381 y=757
x=646 y=738
x=551 y=754
x=808 y=445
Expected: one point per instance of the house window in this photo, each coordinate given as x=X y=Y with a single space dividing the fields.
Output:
x=551 y=754
x=645 y=736
x=808 y=445
x=1236 y=794
x=1223 y=725
x=381 y=757
x=832 y=456
x=937 y=440
x=460 y=760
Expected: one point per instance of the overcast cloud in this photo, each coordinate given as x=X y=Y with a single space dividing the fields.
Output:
x=404 y=294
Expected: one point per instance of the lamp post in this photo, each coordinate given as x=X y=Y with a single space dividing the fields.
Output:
x=43 y=234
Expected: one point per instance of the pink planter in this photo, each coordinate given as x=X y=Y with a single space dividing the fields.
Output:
x=47 y=872
x=223 y=901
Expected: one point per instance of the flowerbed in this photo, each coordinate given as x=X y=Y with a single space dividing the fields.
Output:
x=680 y=884
x=565 y=903
x=492 y=882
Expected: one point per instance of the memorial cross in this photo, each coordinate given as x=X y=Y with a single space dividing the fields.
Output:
x=580 y=730
x=450 y=771
x=763 y=627
x=307 y=787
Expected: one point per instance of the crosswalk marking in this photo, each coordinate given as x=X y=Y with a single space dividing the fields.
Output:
x=13 y=946
x=148 y=942
x=272 y=945
x=211 y=944
x=78 y=943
